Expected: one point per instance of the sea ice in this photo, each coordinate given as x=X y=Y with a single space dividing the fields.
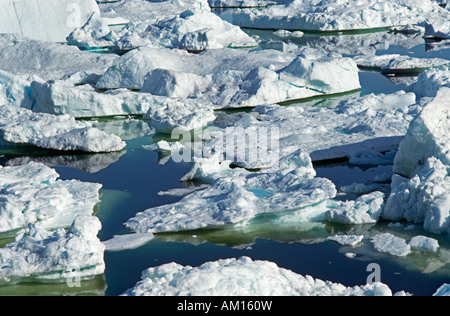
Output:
x=347 y=240
x=46 y=20
x=395 y=63
x=54 y=256
x=32 y=193
x=391 y=244
x=233 y=78
x=22 y=126
x=429 y=82
x=239 y=198
x=129 y=241
x=241 y=277
x=424 y=243
x=336 y=15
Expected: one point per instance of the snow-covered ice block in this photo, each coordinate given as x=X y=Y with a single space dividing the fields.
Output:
x=429 y=82
x=233 y=78
x=422 y=199
x=336 y=15
x=428 y=135
x=32 y=193
x=236 y=199
x=365 y=210
x=22 y=126
x=395 y=63
x=241 y=277
x=347 y=240
x=439 y=28
x=54 y=256
x=391 y=244
x=46 y=20
x=444 y=290
x=193 y=30
x=424 y=243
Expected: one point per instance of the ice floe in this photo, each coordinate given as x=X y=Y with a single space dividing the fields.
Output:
x=129 y=241
x=22 y=126
x=47 y=20
x=193 y=30
x=33 y=193
x=391 y=244
x=424 y=243
x=345 y=15
x=347 y=240
x=40 y=255
x=233 y=78
x=241 y=277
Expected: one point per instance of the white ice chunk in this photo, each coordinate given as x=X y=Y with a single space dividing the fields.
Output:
x=396 y=62
x=22 y=126
x=46 y=20
x=32 y=193
x=439 y=28
x=57 y=256
x=424 y=243
x=391 y=244
x=428 y=135
x=429 y=82
x=444 y=290
x=347 y=240
x=336 y=15
x=241 y=277
x=94 y=34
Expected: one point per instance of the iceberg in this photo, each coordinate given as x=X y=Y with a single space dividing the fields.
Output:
x=444 y=290
x=22 y=126
x=235 y=199
x=32 y=193
x=241 y=277
x=46 y=20
x=40 y=255
x=318 y=15
x=233 y=78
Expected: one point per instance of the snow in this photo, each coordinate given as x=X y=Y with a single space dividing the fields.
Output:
x=241 y=277
x=32 y=193
x=22 y=126
x=336 y=15
x=46 y=20
x=233 y=78
x=193 y=30
x=424 y=243
x=391 y=244
x=54 y=256
x=347 y=240
x=234 y=199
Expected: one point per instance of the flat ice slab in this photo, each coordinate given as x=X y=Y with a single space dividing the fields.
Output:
x=391 y=244
x=40 y=255
x=394 y=63
x=241 y=277
x=46 y=20
x=33 y=193
x=336 y=15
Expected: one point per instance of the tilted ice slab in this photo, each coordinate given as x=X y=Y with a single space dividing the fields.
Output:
x=423 y=159
x=22 y=126
x=54 y=256
x=241 y=277
x=233 y=78
x=240 y=197
x=46 y=20
x=193 y=30
x=444 y=290
x=358 y=125
x=398 y=63
x=344 y=15
x=32 y=193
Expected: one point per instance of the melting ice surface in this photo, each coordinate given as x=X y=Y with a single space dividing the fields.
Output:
x=317 y=237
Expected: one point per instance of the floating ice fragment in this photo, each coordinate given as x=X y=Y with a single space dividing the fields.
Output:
x=391 y=244
x=424 y=243
x=347 y=240
x=444 y=290
x=129 y=241
x=241 y=277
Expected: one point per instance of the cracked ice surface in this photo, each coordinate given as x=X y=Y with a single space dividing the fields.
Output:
x=54 y=256
x=241 y=277
x=32 y=193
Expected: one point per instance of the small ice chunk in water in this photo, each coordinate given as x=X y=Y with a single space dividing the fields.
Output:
x=424 y=243
x=391 y=244
x=347 y=240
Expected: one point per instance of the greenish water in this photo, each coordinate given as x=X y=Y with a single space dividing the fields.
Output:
x=132 y=179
